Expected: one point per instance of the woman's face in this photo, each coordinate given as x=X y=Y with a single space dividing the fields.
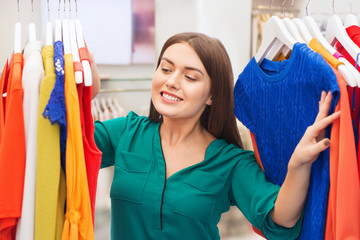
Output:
x=181 y=85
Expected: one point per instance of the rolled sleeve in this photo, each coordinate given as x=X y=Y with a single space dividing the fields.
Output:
x=255 y=197
x=107 y=135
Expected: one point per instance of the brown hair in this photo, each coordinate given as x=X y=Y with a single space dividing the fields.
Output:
x=217 y=118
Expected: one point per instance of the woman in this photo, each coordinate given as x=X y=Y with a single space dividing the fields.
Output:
x=179 y=169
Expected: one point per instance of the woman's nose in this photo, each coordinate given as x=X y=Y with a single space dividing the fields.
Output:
x=173 y=81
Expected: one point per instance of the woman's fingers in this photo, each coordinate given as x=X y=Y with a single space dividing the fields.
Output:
x=320 y=146
x=320 y=125
x=324 y=105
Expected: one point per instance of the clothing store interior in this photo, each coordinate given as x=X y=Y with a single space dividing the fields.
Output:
x=126 y=38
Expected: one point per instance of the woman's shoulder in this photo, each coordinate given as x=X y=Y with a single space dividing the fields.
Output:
x=131 y=123
x=227 y=150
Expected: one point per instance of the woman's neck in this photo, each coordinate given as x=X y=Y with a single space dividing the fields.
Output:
x=175 y=131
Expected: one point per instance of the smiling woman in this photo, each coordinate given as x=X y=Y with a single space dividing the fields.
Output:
x=184 y=164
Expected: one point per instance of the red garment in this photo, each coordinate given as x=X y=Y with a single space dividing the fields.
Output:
x=12 y=152
x=343 y=214
x=92 y=153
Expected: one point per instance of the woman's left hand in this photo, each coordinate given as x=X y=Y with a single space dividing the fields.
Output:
x=313 y=141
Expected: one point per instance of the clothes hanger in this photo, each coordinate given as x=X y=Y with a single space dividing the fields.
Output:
x=315 y=32
x=351 y=19
x=301 y=27
x=66 y=33
x=58 y=30
x=81 y=45
x=32 y=27
x=274 y=30
x=291 y=27
x=49 y=32
x=335 y=31
x=74 y=48
x=17 y=39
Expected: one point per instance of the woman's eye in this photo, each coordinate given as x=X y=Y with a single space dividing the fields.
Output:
x=166 y=70
x=190 y=78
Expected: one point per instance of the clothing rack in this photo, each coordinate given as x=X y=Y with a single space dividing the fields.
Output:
x=117 y=90
x=274 y=8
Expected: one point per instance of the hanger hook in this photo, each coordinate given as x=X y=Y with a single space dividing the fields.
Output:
x=48 y=5
x=70 y=7
x=283 y=7
x=333 y=6
x=351 y=6
x=306 y=8
x=18 y=5
x=270 y=7
x=292 y=8
x=32 y=5
x=76 y=8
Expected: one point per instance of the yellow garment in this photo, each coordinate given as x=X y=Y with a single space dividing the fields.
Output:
x=317 y=47
x=78 y=219
x=50 y=189
x=281 y=57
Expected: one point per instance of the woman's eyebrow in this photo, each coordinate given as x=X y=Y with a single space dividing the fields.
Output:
x=188 y=68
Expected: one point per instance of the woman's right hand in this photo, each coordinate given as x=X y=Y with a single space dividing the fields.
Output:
x=95 y=75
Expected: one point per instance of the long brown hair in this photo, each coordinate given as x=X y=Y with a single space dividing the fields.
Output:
x=217 y=118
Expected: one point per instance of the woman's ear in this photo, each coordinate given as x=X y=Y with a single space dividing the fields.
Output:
x=209 y=101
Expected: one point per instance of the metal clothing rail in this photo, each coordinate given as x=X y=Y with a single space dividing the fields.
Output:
x=274 y=8
x=117 y=90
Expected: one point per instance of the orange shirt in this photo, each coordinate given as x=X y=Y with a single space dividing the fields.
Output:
x=12 y=152
x=78 y=219
x=3 y=86
x=343 y=215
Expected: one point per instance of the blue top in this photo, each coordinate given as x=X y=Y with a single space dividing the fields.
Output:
x=187 y=205
x=55 y=110
x=277 y=102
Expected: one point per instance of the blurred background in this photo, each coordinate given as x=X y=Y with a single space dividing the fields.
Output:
x=126 y=36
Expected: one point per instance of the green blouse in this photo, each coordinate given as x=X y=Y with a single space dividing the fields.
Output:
x=189 y=204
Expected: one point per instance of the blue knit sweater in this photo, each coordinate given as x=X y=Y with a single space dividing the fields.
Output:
x=277 y=101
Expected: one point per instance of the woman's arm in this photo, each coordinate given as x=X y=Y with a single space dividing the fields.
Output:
x=290 y=202
x=95 y=75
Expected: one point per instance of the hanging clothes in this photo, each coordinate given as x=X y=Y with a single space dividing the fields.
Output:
x=32 y=75
x=78 y=219
x=343 y=214
x=354 y=93
x=277 y=102
x=91 y=151
x=12 y=152
x=50 y=182
x=55 y=109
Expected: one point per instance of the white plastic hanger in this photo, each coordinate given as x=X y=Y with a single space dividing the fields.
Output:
x=17 y=39
x=304 y=32
x=32 y=32
x=49 y=32
x=66 y=33
x=335 y=31
x=81 y=44
x=291 y=27
x=351 y=19
x=32 y=27
x=58 y=30
x=274 y=30
x=354 y=79
x=74 y=47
